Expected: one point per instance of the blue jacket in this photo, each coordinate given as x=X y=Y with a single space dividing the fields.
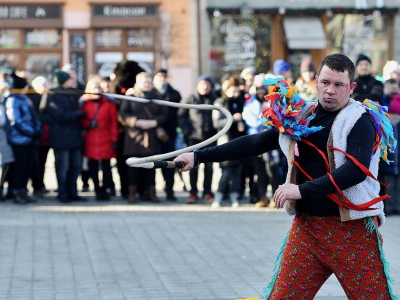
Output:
x=23 y=126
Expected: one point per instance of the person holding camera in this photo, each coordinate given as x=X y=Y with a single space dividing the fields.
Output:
x=101 y=137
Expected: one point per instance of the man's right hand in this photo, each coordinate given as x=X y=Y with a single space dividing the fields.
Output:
x=188 y=159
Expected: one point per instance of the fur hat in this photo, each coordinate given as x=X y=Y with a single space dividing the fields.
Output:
x=362 y=57
x=62 y=77
x=18 y=82
x=281 y=66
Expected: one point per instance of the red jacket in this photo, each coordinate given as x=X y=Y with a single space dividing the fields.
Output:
x=99 y=141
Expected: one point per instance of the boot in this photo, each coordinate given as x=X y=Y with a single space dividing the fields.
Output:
x=217 y=200
x=19 y=199
x=234 y=200
x=152 y=195
x=1 y=195
x=263 y=202
x=132 y=194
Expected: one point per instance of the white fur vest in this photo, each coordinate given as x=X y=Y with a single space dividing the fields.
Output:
x=357 y=194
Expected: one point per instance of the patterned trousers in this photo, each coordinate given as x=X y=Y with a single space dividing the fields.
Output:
x=316 y=247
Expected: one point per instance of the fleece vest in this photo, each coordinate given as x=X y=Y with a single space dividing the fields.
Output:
x=357 y=194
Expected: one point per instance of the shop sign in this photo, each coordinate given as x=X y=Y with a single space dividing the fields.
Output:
x=30 y=11
x=124 y=11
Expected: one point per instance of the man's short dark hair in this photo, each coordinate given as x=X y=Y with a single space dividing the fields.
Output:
x=340 y=63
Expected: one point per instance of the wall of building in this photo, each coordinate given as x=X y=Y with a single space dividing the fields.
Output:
x=172 y=25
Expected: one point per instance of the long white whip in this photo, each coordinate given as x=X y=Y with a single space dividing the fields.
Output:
x=144 y=161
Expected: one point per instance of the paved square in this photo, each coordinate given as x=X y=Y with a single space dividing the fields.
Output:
x=168 y=251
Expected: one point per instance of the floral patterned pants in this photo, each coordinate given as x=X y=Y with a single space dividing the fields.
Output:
x=316 y=247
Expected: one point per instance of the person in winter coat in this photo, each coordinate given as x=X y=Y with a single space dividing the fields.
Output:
x=101 y=137
x=166 y=92
x=23 y=131
x=141 y=140
x=306 y=84
x=41 y=84
x=367 y=86
x=62 y=113
x=231 y=170
x=391 y=172
x=6 y=154
x=197 y=126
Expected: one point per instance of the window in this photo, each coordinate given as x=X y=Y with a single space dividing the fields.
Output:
x=42 y=38
x=9 y=39
x=352 y=34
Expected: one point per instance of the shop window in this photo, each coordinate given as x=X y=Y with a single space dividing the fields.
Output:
x=237 y=43
x=9 y=39
x=43 y=38
x=144 y=59
x=9 y=61
x=140 y=38
x=106 y=62
x=42 y=64
x=352 y=34
x=108 y=38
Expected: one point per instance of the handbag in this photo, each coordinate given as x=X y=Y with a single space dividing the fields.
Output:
x=161 y=134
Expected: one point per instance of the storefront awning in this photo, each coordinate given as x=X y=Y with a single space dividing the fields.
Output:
x=304 y=33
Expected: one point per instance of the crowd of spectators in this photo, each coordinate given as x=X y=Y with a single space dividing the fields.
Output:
x=86 y=130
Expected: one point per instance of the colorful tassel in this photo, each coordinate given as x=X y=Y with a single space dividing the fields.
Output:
x=285 y=110
x=268 y=289
x=384 y=138
x=386 y=266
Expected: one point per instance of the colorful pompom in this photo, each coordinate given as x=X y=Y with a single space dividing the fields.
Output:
x=285 y=110
x=384 y=136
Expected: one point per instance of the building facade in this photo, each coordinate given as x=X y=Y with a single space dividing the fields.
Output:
x=259 y=32
x=93 y=35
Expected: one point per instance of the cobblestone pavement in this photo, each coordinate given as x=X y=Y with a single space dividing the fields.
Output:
x=171 y=251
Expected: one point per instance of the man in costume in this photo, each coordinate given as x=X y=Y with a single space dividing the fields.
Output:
x=333 y=164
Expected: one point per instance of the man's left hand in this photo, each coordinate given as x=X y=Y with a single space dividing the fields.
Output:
x=287 y=191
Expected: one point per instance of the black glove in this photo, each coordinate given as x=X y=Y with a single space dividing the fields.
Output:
x=114 y=145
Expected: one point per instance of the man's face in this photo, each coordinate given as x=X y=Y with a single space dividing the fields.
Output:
x=160 y=79
x=364 y=68
x=203 y=87
x=334 y=88
x=144 y=83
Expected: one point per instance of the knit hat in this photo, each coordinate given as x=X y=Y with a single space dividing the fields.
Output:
x=362 y=57
x=307 y=65
x=18 y=82
x=161 y=71
x=281 y=66
x=206 y=78
x=62 y=77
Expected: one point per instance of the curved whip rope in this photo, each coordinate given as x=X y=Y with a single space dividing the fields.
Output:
x=141 y=162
